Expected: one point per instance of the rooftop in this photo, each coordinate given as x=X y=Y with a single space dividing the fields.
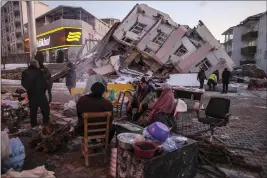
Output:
x=58 y=10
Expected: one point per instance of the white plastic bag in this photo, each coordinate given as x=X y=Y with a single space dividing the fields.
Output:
x=5 y=145
x=180 y=107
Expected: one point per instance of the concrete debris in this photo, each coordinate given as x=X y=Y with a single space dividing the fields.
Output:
x=249 y=70
x=149 y=40
x=257 y=84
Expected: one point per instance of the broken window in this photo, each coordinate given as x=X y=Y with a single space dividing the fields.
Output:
x=127 y=40
x=148 y=50
x=204 y=64
x=137 y=28
x=161 y=38
x=181 y=51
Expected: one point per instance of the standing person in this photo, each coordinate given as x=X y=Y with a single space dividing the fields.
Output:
x=212 y=82
x=33 y=81
x=201 y=76
x=93 y=78
x=71 y=77
x=225 y=80
x=47 y=75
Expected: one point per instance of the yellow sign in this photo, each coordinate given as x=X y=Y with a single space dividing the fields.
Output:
x=74 y=36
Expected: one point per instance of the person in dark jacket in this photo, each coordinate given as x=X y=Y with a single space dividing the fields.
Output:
x=33 y=81
x=201 y=76
x=40 y=58
x=94 y=102
x=225 y=80
x=71 y=77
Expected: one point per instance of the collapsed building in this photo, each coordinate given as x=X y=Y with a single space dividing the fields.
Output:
x=148 y=40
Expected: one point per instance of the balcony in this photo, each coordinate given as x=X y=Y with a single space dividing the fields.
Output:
x=17 y=19
x=18 y=30
x=249 y=50
x=249 y=35
x=16 y=8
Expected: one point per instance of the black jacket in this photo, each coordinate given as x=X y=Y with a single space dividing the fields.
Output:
x=201 y=76
x=33 y=81
x=47 y=75
x=226 y=76
x=71 y=76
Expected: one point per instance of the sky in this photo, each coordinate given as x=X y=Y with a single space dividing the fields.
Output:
x=218 y=16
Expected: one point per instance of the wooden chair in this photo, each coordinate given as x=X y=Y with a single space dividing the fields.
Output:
x=96 y=135
x=119 y=103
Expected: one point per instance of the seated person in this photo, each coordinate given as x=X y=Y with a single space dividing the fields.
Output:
x=135 y=102
x=94 y=102
x=165 y=105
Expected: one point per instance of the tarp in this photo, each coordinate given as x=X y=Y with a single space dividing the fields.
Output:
x=186 y=80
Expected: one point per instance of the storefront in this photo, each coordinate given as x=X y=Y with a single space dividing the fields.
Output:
x=65 y=39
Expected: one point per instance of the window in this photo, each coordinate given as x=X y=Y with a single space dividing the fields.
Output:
x=204 y=64
x=127 y=40
x=161 y=38
x=181 y=51
x=137 y=28
x=148 y=50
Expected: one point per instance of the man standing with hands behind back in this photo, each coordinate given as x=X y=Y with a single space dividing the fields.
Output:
x=225 y=80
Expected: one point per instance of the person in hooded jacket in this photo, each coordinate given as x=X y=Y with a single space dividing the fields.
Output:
x=201 y=76
x=71 y=77
x=33 y=81
x=40 y=58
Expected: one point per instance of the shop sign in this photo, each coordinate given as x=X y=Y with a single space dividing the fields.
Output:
x=43 y=42
x=58 y=39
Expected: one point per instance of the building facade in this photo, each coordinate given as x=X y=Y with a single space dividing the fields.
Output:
x=14 y=15
x=247 y=41
x=157 y=36
x=110 y=21
x=66 y=28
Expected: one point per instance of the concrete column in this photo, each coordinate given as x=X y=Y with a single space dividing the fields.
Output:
x=47 y=56
x=31 y=27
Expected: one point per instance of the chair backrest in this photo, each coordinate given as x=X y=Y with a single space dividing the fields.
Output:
x=98 y=132
x=218 y=107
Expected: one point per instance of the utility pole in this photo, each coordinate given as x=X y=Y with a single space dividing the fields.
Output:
x=31 y=28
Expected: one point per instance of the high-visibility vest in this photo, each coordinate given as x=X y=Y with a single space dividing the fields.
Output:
x=213 y=77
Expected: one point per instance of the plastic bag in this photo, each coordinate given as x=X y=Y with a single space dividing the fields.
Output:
x=5 y=145
x=169 y=145
x=16 y=158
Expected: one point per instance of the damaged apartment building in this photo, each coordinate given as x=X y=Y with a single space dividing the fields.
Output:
x=151 y=38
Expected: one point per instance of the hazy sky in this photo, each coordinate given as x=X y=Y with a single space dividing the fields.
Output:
x=217 y=16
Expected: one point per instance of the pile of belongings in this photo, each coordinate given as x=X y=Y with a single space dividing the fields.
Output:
x=52 y=137
x=257 y=84
x=12 y=153
x=38 y=172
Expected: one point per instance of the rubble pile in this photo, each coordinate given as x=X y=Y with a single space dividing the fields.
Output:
x=52 y=137
x=149 y=42
x=250 y=70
